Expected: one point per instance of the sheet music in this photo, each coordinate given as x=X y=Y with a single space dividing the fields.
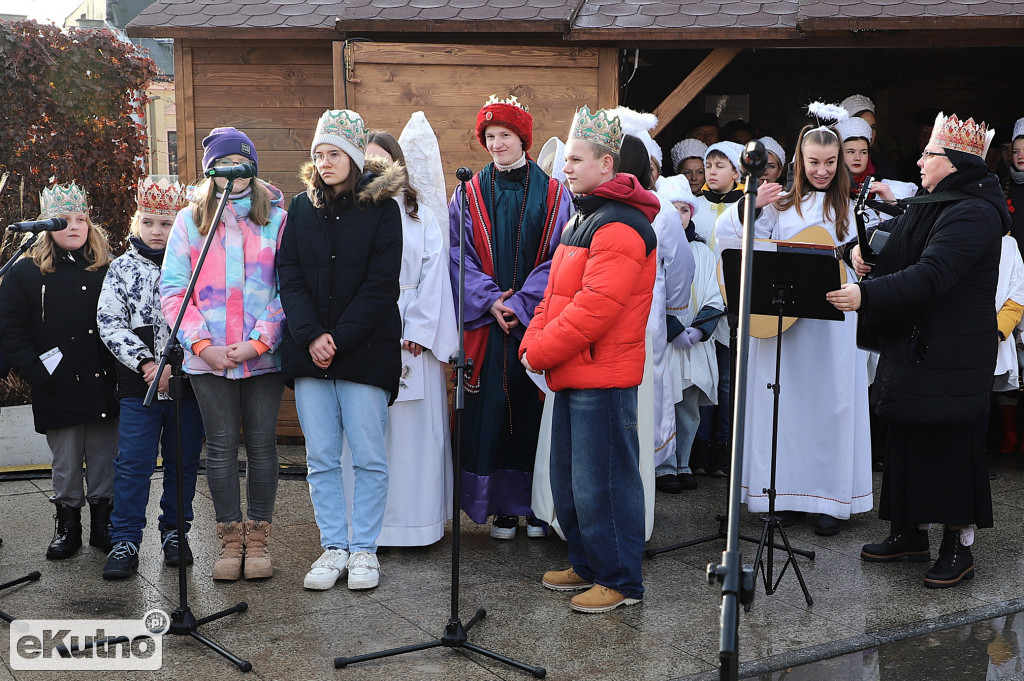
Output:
x=410 y=382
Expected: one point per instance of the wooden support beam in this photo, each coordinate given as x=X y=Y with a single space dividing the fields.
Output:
x=692 y=85
x=608 y=77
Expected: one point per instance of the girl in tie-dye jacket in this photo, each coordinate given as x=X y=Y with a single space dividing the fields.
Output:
x=231 y=331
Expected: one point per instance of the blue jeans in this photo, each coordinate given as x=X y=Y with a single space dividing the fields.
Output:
x=143 y=432
x=329 y=410
x=595 y=482
x=715 y=420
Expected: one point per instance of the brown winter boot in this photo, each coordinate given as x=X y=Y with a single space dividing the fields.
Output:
x=257 y=550
x=229 y=563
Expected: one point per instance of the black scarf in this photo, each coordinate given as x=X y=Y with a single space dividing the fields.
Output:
x=911 y=230
x=154 y=255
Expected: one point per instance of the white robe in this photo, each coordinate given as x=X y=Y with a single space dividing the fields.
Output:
x=417 y=439
x=1010 y=287
x=698 y=365
x=824 y=441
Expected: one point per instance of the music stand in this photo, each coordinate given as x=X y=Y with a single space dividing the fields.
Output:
x=785 y=283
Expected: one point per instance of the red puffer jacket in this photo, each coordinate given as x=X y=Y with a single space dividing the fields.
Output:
x=588 y=332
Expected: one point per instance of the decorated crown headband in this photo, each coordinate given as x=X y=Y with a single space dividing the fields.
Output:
x=345 y=124
x=966 y=136
x=62 y=199
x=600 y=127
x=512 y=100
x=161 y=198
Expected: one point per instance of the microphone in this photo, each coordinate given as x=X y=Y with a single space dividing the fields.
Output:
x=36 y=226
x=754 y=158
x=232 y=172
x=464 y=174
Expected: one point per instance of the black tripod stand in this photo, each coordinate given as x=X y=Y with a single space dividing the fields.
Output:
x=183 y=622
x=790 y=282
x=34 y=575
x=456 y=635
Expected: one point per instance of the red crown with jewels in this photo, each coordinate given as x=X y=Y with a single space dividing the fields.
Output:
x=966 y=136
x=510 y=113
x=161 y=198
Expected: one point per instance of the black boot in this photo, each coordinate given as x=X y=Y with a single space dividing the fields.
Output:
x=67 y=533
x=955 y=563
x=99 y=524
x=700 y=462
x=903 y=542
x=721 y=453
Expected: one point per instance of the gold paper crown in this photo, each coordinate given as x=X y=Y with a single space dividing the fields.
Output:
x=62 y=199
x=600 y=127
x=512 y=100
x=966 y=136
x=345 y=124
x=161 y=198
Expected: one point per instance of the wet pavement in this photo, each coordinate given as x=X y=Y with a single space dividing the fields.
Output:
x=868 y=621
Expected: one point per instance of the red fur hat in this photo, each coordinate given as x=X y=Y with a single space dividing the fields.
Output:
x=510 y=113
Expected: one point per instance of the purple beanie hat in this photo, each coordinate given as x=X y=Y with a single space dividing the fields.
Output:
x=223 y=142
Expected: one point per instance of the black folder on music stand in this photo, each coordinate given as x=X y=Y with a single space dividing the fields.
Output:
x=789 y=282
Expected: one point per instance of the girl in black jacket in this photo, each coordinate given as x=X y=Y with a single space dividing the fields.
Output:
x=338 y=266
x=48 y=332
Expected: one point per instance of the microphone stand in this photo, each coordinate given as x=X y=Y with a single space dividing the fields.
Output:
x=35 y=574
x=25 y=245
x=737 y=580
x=455 y=633
x=183 y=622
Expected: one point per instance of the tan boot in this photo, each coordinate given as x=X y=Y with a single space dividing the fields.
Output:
x=257 y=550
x=229 y=563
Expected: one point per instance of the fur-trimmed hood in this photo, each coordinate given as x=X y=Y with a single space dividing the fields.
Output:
x=381 y=180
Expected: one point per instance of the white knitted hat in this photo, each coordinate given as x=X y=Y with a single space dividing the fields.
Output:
x=344 y=129
x=853 y=127
x=551 y=158
x=771 y=145
x=676 y=188
x=1018 y=129
x=687 y=148
x=857 y=103
x=732 y=151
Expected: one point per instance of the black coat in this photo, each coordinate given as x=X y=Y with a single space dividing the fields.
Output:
x=339 y=274
x=936 y=319
x=58 y=310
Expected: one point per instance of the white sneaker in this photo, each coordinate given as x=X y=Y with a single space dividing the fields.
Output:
x=363 y=570
x=327 y=570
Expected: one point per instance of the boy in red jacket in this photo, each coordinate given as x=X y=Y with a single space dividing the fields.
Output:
x=588 y=335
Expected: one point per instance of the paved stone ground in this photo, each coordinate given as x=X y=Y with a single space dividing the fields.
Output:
x=292 y=634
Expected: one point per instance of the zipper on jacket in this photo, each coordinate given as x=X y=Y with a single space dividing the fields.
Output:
x=42 y=304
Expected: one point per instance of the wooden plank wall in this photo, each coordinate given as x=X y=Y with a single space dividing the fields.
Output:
x=274 y=91
x=450 y=83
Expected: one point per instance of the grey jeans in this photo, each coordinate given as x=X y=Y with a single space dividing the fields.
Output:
x=252 y=403
x=95 y=444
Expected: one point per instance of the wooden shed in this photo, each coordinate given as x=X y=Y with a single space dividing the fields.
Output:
x=271 y=67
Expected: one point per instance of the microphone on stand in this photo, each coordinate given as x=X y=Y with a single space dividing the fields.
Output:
x=754 y=159
x=36 y=226
x=464 y=174
x=238 y=172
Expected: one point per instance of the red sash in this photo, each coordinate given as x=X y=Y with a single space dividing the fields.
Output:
x=476 y=339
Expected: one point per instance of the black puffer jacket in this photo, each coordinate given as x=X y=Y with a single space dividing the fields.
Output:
x=58 y=310
x=338 y=270
x=936 y=318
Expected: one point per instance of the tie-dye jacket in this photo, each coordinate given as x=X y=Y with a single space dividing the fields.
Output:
x=236 y=298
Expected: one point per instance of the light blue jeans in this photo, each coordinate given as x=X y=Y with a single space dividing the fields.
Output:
x=330 y=410
x=687 y=421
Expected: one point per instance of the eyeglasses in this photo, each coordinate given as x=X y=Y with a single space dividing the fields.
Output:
x=332 y=156
x=926 y=154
